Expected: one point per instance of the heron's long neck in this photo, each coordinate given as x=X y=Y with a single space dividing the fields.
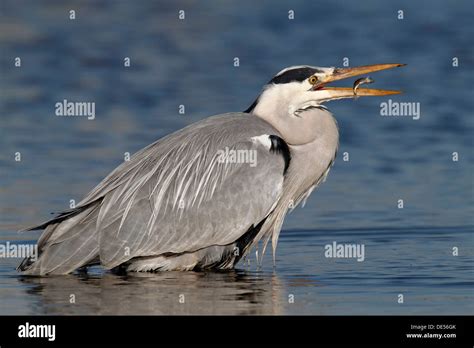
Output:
x=313 y=138
x=311 y=162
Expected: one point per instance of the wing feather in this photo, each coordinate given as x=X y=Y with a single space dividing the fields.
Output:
x=174 y=196
x=185 y=199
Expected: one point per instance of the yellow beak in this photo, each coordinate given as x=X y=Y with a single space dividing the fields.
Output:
x=344 y=73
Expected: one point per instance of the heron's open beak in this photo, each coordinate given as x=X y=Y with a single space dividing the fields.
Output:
x=347 y=92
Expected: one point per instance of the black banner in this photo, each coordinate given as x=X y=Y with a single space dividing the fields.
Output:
x=289 y=330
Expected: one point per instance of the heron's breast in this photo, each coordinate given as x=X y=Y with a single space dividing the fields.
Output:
x=311 y=161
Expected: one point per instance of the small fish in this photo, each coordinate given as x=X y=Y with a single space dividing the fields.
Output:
x=359 y=82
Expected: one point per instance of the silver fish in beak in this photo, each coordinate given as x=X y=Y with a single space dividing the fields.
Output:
x=361 y=81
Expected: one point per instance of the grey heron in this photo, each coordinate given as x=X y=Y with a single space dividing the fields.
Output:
x=179 y=204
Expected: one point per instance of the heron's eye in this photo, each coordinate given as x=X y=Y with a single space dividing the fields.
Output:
x=313 y=79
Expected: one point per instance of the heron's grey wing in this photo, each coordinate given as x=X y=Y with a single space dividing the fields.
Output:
x=182 y=193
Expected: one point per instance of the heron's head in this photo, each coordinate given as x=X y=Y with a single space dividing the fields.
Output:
x=292 y=100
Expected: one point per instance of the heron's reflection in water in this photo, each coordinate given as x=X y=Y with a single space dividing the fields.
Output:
x=178 y=293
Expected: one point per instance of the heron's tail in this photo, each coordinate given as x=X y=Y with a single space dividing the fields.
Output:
x=66 y=244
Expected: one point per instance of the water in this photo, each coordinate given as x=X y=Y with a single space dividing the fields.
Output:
x=408 y=251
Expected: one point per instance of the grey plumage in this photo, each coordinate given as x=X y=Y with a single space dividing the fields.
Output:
x=179 y=205
x=135 y=212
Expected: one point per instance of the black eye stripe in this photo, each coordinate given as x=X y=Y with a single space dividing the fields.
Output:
x=299 y=74
x=296 y=74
